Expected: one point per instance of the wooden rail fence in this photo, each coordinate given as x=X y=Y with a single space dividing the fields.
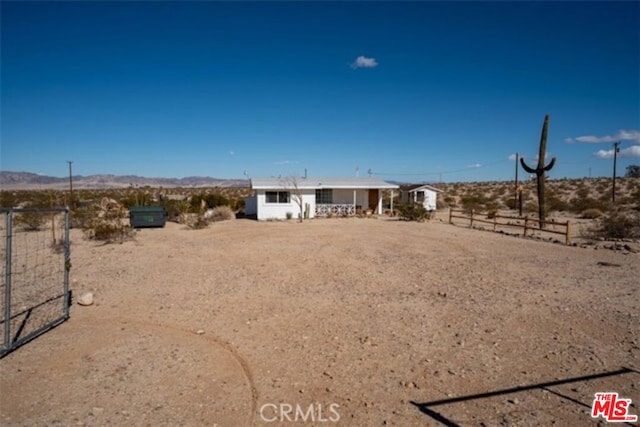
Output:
x=525 y=223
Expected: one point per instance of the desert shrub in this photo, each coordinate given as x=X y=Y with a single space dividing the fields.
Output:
x=175 y=209
x=412 y=212
x=211 y=200
x=31 y=221
x=578 y=204
x=582 y=192
x=602 y=187
x=555 y=204
x=449 y=200
x=635 y=196
x=618 y=224
x=473 y=202
x=530 y=207
x=78 y=218
x=107 y=225
x=509 y=202
x=237 y=204
x=8 y=199
x=196 y=221
x=500 y=191
x=592 y=213
x=441 y=203
x=492 y=206
x=137 y=197
x=225 y=213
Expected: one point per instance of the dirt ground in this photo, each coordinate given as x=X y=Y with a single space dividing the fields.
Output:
x=357 y=322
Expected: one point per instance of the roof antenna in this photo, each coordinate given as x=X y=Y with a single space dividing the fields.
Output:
x=357 y=170
x=305 y=173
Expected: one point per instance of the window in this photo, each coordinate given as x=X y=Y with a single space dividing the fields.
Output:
x=277 y=196
x=324 y=196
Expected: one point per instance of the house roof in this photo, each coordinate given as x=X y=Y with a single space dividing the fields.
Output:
x=425 y=187
x=318 y=183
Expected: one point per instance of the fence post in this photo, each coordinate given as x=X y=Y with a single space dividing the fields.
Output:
x=526 y=219
x=471 y=223
x=568 y=239
x=7 y=285
x=450 y=215
x=67 y=263
x=495 y=219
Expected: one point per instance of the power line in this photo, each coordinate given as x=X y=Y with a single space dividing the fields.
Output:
x=468 y=168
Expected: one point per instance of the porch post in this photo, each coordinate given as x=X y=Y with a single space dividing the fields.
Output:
x=354 y=201
x=380 y=201
x=391 y=205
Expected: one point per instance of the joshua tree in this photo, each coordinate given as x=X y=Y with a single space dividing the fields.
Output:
x=541 y=169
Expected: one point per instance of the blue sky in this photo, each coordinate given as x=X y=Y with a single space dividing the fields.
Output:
x=417 y=91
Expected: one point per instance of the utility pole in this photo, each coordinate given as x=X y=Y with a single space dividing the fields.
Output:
x=516 y=184
x=616 y=150
x=70 y=185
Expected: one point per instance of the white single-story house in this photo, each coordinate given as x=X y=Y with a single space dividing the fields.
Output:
x=277 y=198
x=424 y=194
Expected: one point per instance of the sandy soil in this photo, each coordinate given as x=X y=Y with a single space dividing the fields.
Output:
x=364 y=321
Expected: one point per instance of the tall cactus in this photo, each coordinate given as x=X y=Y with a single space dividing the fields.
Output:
x=541 y=169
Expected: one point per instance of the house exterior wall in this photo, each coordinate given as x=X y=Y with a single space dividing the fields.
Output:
x=279 y=210
x=430 y=200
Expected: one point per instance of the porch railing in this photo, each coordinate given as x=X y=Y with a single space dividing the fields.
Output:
x=335 y=209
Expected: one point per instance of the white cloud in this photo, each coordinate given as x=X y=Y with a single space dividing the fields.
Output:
x=475 y=165
x=232 y=153
x=286 y=162
x=511 y=157
x=622 y=135
x=630 y=135
x=633 y=151
x=364 y=62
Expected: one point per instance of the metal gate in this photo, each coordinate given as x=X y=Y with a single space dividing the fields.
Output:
x=35 y=257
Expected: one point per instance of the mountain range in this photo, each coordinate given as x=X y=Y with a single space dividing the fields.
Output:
x=34 y=181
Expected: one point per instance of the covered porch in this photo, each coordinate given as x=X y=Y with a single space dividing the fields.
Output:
x=349 y=202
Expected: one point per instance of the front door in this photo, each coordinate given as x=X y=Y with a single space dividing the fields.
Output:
x=373 y=199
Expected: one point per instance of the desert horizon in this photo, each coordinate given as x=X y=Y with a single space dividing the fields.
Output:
x=11 y=180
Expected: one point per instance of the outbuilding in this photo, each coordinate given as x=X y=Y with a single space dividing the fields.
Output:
x=423 y=194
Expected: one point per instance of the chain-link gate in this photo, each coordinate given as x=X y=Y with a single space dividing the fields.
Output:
x=35 y=257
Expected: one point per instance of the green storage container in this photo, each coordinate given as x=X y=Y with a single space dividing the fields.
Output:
x=147 y=216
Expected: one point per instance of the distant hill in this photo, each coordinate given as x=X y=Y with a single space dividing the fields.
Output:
x=33 y=181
